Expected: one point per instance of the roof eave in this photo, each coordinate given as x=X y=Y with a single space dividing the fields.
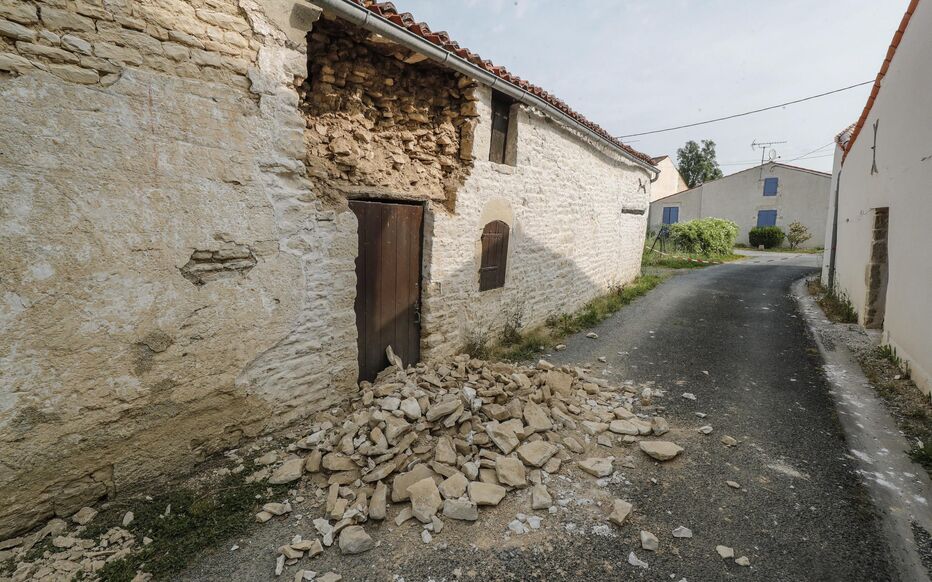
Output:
x=362 y=16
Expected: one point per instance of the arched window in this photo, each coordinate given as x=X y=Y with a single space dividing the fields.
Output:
x=494 y=255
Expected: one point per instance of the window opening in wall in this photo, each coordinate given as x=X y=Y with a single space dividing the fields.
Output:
x=494 y=255
x=501 y=119
x=766 y=218
x=770 y=186
x=671 y=214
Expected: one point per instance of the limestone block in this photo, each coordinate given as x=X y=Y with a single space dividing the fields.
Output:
x=56 y=19
x=16 y=31
x=75 y=74
x=18 y=11
x=48 y=52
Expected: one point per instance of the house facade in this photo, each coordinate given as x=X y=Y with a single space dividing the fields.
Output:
x=217 y=214
x=878 y=227
x=669 y=182
x=774 y=194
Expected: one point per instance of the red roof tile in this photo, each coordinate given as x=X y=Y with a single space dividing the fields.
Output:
x=897 y=37
x=405 y=20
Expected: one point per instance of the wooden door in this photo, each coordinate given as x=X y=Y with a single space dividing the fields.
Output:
x=388 y=283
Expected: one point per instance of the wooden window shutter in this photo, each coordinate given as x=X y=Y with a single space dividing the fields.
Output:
x=501 y=108
x=494 y=255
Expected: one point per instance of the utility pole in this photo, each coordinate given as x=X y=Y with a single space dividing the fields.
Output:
x=763 y=151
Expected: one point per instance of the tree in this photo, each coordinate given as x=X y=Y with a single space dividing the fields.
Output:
x=798 y=234
x=697 y=164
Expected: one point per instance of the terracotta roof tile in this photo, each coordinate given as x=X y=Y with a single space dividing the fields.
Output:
x=441 y=39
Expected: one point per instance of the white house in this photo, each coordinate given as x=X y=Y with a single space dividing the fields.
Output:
x=773 y=194
x=669 y=181
x=216 y=225
x=882 y=201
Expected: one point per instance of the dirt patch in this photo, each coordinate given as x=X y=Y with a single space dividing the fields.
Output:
x=909 y=406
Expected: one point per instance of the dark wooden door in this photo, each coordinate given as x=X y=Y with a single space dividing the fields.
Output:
x=388 y=283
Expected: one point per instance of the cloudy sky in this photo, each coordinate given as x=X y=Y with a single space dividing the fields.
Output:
x=640 y=65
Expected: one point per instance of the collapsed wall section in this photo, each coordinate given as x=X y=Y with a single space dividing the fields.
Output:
x=383 y=121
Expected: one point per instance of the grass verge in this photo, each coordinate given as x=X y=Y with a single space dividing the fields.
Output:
x=654 y=259
x=908 y=405
x=836 y=307
x=520 y=346
x=198 y=519
x=814 y=251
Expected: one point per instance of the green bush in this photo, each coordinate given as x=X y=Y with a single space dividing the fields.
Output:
x=705 y=236
x=769 y=236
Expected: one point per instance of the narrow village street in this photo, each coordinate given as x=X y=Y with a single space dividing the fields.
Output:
x=334 y=290
x=733 y=337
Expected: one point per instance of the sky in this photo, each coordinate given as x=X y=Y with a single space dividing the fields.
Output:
x=640 y=65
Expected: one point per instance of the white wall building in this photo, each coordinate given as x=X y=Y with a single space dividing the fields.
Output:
x=206 y=203
x=877 y=254
x=774 y=194
x=669 y=182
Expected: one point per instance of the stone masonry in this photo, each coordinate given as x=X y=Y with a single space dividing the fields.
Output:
x=142 y=141
x=178 y=256
x=382 y=121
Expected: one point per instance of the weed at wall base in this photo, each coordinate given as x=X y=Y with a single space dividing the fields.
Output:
x=837 y=306
x=518 y=346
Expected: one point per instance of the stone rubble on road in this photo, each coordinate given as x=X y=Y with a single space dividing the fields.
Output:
x=439 y=441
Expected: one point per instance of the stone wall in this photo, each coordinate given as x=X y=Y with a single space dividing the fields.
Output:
x=383 y=121
x=578 y=219
x=178 y=257
x=169 y=282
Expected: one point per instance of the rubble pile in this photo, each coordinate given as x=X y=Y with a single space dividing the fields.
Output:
x=432 y=444
x=447 y=440
x=72 y=556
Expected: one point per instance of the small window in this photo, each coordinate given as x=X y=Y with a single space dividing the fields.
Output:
x=671 y=214
x=501 y=113
x=767 y=217
x=494 y=255
x=770 y=186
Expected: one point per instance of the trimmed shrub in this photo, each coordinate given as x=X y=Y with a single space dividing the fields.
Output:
x=769 y=236
x=705 y=236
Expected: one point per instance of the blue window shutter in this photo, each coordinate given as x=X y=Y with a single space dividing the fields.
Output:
x=766 y=218
x=671 y=214
x=770 y=186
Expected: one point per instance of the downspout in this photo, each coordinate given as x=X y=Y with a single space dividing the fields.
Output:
x=831 y=257
x=362 y=17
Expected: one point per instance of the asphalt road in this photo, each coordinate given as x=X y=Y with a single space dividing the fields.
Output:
x=731 y=335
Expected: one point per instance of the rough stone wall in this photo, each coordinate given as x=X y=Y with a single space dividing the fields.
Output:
x=383 y=121
x=578 y=219
x=169 y=281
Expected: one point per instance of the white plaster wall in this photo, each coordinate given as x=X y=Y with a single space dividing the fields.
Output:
x=902 y=183
x=669 y=182
x=115 y=369
x=569 y=242
x=688 y=201
x=830 y=214
x=802 y=195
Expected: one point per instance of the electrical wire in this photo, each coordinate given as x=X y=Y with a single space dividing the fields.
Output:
x=795 y=101
x=814 y=151
x=779 y=161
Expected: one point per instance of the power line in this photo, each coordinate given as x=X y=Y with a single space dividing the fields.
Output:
x=814 y=151
x=757 y=162
x=811 y=97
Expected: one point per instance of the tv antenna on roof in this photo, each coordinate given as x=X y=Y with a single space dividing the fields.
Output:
x=771 y=155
